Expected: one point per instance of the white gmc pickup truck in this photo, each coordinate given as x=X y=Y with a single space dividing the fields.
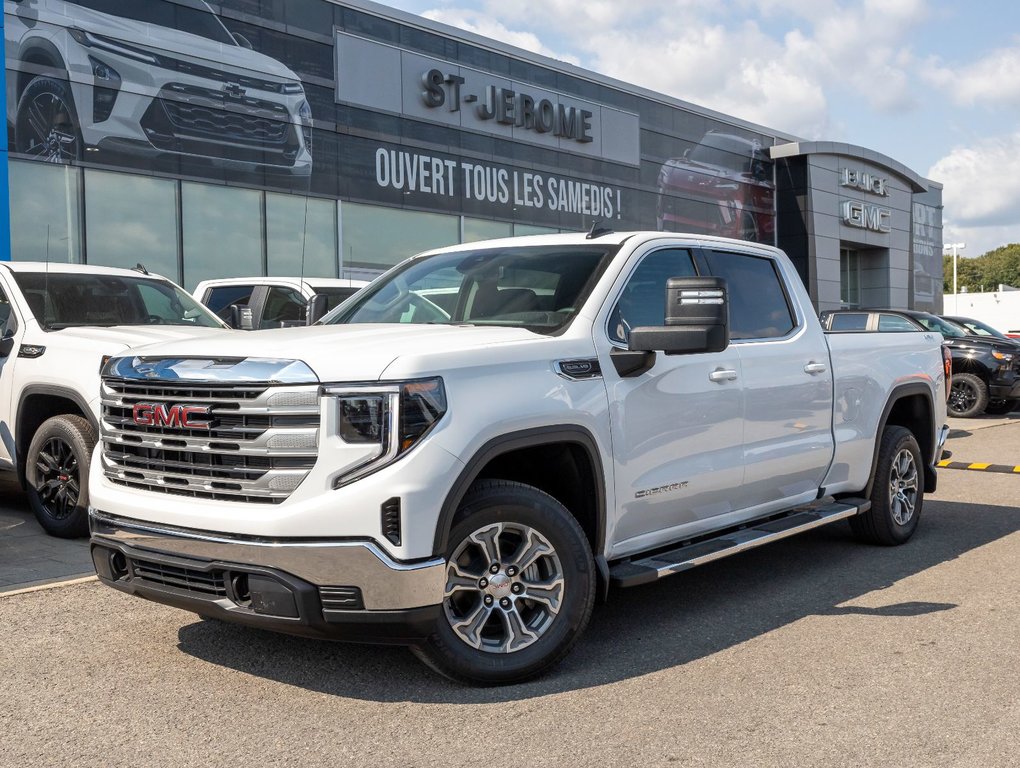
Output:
x=58 y=323
x=470 y=451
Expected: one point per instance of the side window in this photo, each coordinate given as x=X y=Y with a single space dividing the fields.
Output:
x=895 y=324
x=643 y=299
x=220 y=299
x=282 y=305
x=7 y=320
x=849 y=321
x=759 y=308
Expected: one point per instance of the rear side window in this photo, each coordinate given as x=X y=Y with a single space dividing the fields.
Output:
x=849 y=321
x=220 y=299
x=759 y=308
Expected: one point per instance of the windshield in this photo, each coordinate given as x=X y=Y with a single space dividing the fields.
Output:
x=65 y=299
x=534 y=287
x=946 y=328
x=978 y=328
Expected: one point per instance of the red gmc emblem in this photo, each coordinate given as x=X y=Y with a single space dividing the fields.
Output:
x=163 y=415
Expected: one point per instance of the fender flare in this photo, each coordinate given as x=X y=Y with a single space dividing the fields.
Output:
x=513 y=441
x=904 y=390
x=50 y=390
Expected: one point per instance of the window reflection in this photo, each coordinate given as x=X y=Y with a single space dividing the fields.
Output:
x=301 y=236
x=222 y=232
x=44 y=205
x=377 y=238
x=481 y=229
x=131 y=220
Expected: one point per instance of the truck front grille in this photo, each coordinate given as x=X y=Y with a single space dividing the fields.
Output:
x=251 y=443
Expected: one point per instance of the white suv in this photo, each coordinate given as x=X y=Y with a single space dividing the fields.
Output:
x=161 y=80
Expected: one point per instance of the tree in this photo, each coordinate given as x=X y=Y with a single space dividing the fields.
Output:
x=985 y=272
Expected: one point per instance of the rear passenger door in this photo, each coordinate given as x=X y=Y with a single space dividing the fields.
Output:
x=786 y=377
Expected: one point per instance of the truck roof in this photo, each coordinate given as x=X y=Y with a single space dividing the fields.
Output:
x=85 y=269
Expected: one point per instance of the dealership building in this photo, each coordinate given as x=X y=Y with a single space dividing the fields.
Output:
x=287 y=137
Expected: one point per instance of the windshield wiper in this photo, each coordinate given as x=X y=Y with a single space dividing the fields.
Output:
x=62 y=326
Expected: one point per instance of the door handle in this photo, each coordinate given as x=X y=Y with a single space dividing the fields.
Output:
x=814 y=368
x=719 y=375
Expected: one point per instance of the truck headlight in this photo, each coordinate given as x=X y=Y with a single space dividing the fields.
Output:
x=392 y=416
x=1003 y=356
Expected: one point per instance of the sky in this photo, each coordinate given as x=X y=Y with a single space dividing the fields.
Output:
x=934 y=84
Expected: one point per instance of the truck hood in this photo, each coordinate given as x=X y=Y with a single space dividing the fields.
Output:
x=112 y=341
x=339 y=353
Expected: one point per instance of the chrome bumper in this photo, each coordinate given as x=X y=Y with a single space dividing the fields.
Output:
x=385 y=584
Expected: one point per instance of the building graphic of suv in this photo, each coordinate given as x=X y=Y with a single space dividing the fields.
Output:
x=164 y=81
x=721 y=186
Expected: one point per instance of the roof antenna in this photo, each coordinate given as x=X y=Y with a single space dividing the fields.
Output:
x=597 y=231
x=139 y=267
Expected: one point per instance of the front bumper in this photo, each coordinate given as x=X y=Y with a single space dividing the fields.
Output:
x=343 y=590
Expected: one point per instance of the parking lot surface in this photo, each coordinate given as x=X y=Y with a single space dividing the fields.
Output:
x=812 y=651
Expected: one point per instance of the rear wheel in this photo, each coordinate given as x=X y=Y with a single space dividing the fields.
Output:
x=968 y=396
x=897 y=492
x=520 y=586
x=57 y=472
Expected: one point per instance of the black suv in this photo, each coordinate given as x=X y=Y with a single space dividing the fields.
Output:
x=986 y=370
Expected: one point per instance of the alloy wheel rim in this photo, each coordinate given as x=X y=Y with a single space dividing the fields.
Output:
x=903 y=484
x=57 y=481
x=51 y=129
x=504 y=588
x=962 y=397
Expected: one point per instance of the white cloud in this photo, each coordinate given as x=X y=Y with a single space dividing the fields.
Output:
x=993 y=79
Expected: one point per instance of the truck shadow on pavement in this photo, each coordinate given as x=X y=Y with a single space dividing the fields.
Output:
x=645 y=629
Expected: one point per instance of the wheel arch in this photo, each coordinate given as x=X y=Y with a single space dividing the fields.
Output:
x=42 y=58
x=563 y=461
x=39 y=403
x=909 y=405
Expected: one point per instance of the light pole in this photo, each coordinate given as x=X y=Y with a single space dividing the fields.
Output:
x=955 y=248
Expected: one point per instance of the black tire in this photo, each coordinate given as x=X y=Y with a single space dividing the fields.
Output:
x=478 y=650
x=897 y=493
x=46 y=125
x=1000 y=407
x=57 y=473
x=968 y=396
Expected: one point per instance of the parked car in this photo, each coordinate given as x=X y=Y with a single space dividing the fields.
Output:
x=604 y=409
x=58 y=323
x=978 y=328
x=986 y=370
x=250 y=303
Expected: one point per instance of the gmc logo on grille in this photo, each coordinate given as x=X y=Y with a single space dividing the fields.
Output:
x=163 y=415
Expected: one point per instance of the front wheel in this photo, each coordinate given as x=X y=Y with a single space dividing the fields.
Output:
x=46 y=124
x=897 y=492
x=968 y=396
x=57 y=471
x=520 y=586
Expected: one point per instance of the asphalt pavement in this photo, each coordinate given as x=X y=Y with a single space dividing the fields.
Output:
x=814 y=651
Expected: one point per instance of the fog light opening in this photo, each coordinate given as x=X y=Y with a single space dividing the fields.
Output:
x=239 y=585
x=118 y=565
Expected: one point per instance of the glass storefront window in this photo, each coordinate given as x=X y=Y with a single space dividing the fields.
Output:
x=520 y=230
x=378 y=238
x=222 y=232
x=482 y=229
x=300 y=236
x=45 y=204
x=131 y=220
x=849 y=277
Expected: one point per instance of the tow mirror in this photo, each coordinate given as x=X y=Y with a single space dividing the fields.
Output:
x=697 y=319
x=316 y=308
x=241 y=317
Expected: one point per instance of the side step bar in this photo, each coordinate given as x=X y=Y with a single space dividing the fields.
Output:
x=631 y=573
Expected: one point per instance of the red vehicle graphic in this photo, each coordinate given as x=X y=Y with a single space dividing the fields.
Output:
x=721 y=186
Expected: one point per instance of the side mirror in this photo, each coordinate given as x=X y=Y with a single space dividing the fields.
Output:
x=315 y=308
x=7 y=344
x=697 y=319
x=241 y=317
